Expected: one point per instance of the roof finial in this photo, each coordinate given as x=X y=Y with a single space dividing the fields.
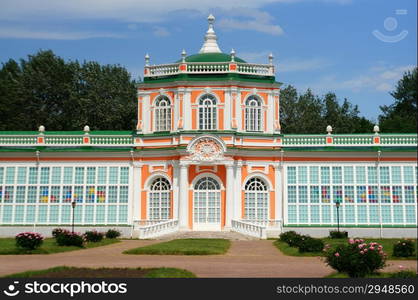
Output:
x=232 y=54
x=210 y=45
x=183 y=56
x=146 y=60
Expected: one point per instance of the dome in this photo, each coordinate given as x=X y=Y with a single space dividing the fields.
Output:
x=211 y=57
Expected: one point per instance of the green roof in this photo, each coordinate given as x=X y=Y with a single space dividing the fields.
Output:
x=211 y=57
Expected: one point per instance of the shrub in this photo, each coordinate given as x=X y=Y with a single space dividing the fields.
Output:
x=29 y=240
x=356 y=258
x=93 y=236
x=112 y=234
x=404 y=248
x=57 y=231
x=310 y=244
x=67 y=238
x=292 y=238
x=334 y=234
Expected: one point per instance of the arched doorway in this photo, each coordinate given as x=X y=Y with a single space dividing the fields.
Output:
x=207 y=204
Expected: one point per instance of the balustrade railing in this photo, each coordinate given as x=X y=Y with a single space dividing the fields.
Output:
x=156 y=229
x=249 y=228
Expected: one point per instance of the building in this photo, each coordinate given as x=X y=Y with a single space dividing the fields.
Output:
x=208 y=154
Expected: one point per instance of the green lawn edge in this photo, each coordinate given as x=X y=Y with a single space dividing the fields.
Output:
x=387 y=247
x=162 y=272
x=184 y=247
x=49 y=247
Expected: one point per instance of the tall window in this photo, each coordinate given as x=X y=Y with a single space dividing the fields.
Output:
x=207 y=201
x=207 y=112
x=253 y=114
x=162 y=114
x=256 y=200
x=159 y=199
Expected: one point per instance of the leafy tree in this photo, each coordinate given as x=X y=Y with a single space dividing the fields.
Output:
x=308 y=113
x=46 y=90
x=401 y=116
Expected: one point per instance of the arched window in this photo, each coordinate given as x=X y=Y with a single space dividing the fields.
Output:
x=159 y=199
x=253 y=116
x=256 y=200
x=162 y=114
x=207 y=201
x=207 y=112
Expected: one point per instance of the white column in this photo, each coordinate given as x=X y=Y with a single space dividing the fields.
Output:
x=176 y=188
x=228 y=109
x=238 y=188
x=184 y=197
x=187 y=109
x=137 y=188
x=146 y=114
x=278 y=192
x=270 y=113
x=229 y=195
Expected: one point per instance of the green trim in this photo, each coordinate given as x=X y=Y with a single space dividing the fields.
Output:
x=205 y=77
x=349 y=226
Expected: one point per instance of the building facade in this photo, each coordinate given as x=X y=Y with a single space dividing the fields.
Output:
x=208 y=154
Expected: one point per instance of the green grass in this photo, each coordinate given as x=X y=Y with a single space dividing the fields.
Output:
x=185 y=247
x=8 y=246
x=146 y=273
x=386 y=243
x=376 y=275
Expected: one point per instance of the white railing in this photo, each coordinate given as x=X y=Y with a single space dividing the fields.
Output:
x=156 y=229
x=265 y=223
x=251 y=229
x=209 y=68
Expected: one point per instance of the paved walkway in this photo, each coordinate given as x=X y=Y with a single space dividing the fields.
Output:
x=244 y=259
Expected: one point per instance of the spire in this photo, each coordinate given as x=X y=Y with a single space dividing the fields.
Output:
x=210 y=45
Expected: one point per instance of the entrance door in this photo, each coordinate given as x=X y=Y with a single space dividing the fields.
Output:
x=207 y=204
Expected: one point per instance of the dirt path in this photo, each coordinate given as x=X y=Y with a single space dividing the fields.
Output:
x=245 y=258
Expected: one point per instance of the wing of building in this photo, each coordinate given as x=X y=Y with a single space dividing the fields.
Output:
x=208 y=154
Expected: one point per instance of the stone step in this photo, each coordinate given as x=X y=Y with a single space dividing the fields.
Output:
x=229 y=235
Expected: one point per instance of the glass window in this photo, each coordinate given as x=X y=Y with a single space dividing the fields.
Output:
x=314 y=193
x=33 y=175
x=384 y=175
x=44 y=194
x=123 y=194
x=124 y=175
x=112 y=214
x=314 y=175
x=337 y=193
x=303 y=194
x=68 y=175
x=56 y=175
x=303 y=214
x=362 y=214
x=325 y=194
x=113 y=194
x=315 y=214
x=102 y=175
x=30 y=213
x=66 y=213
x=291 y=214
x=361 y=194
x=113 y=175
x=396 y=174
x=19 y=213
x=54 y=214
x=32 y=194
x=101 y=194
x=7 y=213
x=397 y=194
x=55 y=194
x=372 y=175
x=350 y=215
x=408 y=175
x=8 y=194
x=44 y=175
x=100 y=214
x=89 y=214
x=374 y=214
x=79 y=175
x=42 y=213
x=1 y=174
x=67 y=193
x=325 y=175
x=373 y=194
x=291 y=175
x=386 y=214
x=10 y=175
x=326 y=214
x=162 y=114
x=349 y=175
x=337 y=176
x=21 y=175
x=123 y=213
x=291 y=194
x=253 y=114
x=207 y=112
x=90 y=194
x=398 y=214
x=385 y=194
x=303 y=175
x=91 y=175
x=361 y=175
x=409 y=194
x=349 y=194
x=78 y=194
x=410 y=212
x=20 y=194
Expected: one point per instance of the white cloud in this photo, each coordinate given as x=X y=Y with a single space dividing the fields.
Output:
x=20 y=33
x=122 y=10
x=297 y=65
x=381 y=78
x=160 y=31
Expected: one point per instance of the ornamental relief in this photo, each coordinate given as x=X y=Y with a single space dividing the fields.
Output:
x=206 y=149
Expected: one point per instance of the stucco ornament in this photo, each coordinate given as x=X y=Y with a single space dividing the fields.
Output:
x=206 y=149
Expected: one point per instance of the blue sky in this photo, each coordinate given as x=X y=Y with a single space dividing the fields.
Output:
x=325 y=45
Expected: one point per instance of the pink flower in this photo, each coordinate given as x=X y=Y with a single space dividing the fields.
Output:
x=361 y=252
x=337 y=254
x=371 y=248
x=401 y=267
x=351 y=241
x=365 y=250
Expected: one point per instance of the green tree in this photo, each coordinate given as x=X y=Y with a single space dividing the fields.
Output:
x=46 y=90
x=401 y=116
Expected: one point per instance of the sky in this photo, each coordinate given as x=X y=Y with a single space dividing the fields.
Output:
x=358 y=49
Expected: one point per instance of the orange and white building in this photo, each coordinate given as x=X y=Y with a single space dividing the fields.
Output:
x=208 y=154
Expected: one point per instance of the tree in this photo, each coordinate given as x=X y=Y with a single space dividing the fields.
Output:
x=401 y=116
x=46 y=90
x=308 y=113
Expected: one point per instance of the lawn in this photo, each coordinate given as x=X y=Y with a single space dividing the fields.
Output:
x=185 y=247
x=8 y=246
x=386 y=243
x=72 y=272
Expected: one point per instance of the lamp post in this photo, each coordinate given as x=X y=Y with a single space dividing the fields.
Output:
x=73 y=206
x=337 y=205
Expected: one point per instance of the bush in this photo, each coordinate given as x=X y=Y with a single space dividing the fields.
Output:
x=404 y=248
x=310 y=244
x=334 y=234
x=29 y=240
x=112 y=234
x=67 y=238
x=93 y=236
x=292 y=238
x=356 y=258
x=57 y=231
